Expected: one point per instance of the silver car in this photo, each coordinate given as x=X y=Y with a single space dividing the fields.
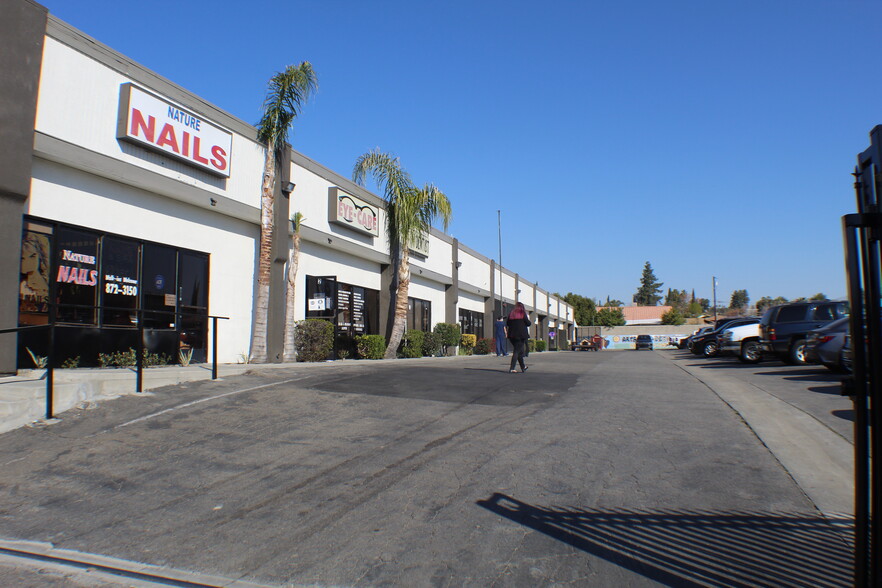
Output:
x=824 y=345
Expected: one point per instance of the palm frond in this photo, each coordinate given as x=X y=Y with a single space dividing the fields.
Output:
x=286 y=93
x=296 y=220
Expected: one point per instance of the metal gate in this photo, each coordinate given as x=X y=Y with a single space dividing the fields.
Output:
x=862 y=233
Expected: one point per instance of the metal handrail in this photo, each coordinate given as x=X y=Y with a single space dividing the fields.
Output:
x=139 y=355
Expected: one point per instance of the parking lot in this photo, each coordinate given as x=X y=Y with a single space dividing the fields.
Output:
x=610 y=468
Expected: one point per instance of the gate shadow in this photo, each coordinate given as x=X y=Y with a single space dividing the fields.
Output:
x=699 y=548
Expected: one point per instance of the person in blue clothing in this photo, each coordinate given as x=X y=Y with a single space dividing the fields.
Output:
x=517 y=325
x=499 y=334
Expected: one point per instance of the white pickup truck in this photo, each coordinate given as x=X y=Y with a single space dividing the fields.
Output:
x=742 y=341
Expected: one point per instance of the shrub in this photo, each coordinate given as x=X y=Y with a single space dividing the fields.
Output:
x=468 y=343
x=450 y=335
x=540 y=345
x=530 y=345
x=313 y=339
x=672 y=317
x=431 y=344
x=412 y=343
x=483 y=346
x=370 y=346
x=71 y=362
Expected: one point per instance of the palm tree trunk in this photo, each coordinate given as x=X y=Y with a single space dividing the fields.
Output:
x=400 y=305
x=290 y=324
x=264 y=262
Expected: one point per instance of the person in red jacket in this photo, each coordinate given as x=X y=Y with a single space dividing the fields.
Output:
x=517 y=324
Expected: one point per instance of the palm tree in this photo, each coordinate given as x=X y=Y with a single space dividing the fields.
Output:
x=409 y=215
x=287 y=90
x=293 y=262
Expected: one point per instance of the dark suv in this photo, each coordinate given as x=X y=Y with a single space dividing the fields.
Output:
x=783 y=328
x=643 y=342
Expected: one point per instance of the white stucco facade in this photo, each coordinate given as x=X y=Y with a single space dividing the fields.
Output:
x=86 y=176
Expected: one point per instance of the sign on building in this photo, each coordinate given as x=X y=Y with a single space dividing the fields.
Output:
x=147 y=120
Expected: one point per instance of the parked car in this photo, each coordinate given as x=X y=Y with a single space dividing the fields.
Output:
x=643 y=342
x=687 y=344
x=824 y=345
x=784 y=328
x=741 y=340
x=846 y=356
x=706 y=344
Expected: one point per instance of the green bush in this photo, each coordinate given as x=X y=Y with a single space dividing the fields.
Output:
x=412 y=343
x=540 y=345
x=313 y=339
x=71 y=362
x=370 y=346
x=450 y=335
x=672 y=317
x=483 y=346
x=431 y=344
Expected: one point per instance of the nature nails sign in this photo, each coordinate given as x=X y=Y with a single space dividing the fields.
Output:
x=349 y=211
x=155 y=123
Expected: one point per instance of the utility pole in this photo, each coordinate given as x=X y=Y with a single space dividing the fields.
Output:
x=715 y=299
x=499 y=229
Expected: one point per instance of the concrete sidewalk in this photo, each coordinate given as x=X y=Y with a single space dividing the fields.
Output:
x=23 y=396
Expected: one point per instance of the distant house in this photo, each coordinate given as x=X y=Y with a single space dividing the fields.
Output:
x=641 y=315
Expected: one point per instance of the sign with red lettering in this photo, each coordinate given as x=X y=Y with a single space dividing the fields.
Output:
x=153 y=122
x=349 y=211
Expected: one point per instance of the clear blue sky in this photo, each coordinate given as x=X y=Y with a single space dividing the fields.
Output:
x=708 y=138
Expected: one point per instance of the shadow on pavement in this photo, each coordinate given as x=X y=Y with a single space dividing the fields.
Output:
x=484 y=386
x=844 y=414
x=697 y=548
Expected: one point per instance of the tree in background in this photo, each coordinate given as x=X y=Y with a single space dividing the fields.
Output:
x=672 y=317
x=767 y=302
x=584 y=309
x=819 y=296
x=695 y=309
x=612 y=302
x=739 y=299
x=611 y=317
x=677 y=299
x=649 y=292
x=409 y=215
x=286 y=92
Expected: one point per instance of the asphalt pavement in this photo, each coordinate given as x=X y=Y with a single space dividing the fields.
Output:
x=591 y=469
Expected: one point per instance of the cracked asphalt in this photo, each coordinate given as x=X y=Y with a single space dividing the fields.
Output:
x=591 y=469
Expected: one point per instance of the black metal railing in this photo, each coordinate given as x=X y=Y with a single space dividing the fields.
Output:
x=862 y=234
x=54 y=324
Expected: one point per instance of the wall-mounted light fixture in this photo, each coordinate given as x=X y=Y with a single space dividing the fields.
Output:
x=458 y=264
x=329 y=240
x=289 y=187
x=212 y=201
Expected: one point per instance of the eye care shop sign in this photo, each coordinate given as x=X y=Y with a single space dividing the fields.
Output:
x=349 y=211
x=152 y=122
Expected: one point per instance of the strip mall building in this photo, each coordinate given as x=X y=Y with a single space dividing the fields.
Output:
x=120 y=190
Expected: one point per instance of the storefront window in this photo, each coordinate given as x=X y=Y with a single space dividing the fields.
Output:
x=33 y=301
x=86 y=272
x=471 y=322
x=419 y=314
x=119 y=281
x=159 y=272
x=76 y=276
x=321 y=295
x=193 y=278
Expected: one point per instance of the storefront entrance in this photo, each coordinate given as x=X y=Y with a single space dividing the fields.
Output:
x=103 y=285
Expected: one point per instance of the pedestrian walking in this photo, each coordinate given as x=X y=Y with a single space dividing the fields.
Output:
x=499 y=335
x=517 y=324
